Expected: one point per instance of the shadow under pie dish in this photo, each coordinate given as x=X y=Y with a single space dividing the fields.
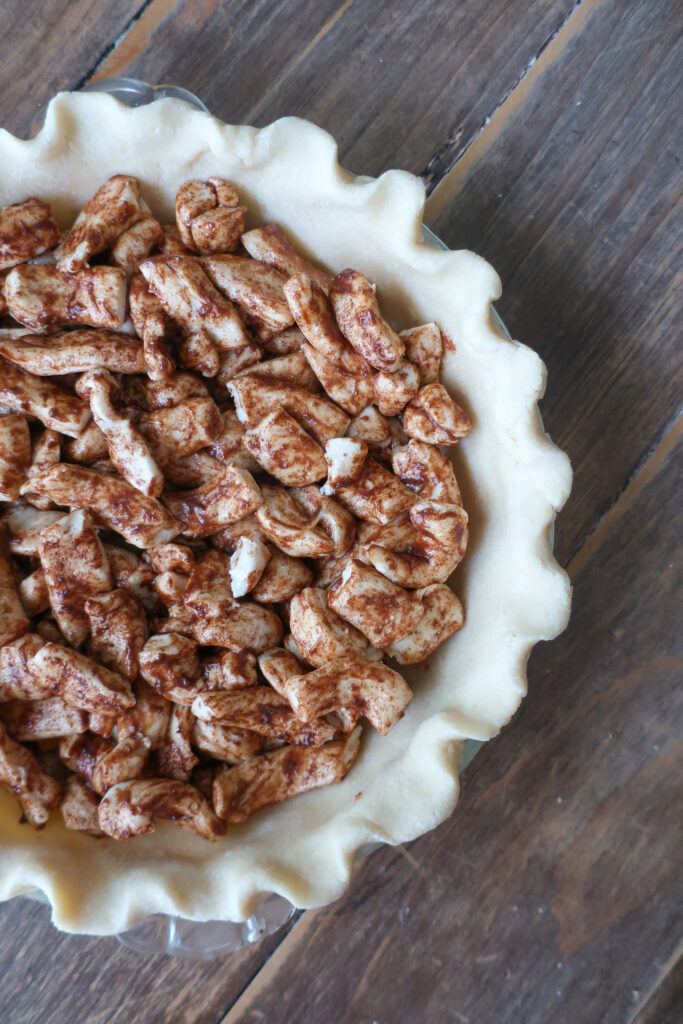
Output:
x=513 y=481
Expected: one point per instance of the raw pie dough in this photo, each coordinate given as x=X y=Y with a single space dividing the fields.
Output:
x=512 y=477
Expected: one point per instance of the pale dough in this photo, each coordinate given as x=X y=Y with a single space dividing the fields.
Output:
x=512 y=478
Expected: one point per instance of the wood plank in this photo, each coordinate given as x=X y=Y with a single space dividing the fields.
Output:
x=554 y=891
x=50 y=977
x=574 y=165
x=51 y=46
x=573 y=193
x=395 y=83
x=664 y=1005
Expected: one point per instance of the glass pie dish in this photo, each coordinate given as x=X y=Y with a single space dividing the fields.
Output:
x=209 y=940
x=169 y=933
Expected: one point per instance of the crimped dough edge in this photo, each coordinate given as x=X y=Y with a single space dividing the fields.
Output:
x=514 y=481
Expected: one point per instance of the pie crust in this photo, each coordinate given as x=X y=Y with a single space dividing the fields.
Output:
x=513 y=479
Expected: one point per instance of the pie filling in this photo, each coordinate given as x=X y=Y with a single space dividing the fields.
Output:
x=225 y=504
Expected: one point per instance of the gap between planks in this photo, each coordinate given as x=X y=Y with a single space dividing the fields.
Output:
x=261 y=979
x=308 y=920
x=447 y=186
x=640 y=478
x=111 y=47
x=132 y=43
x=666 y=974
x=153 y=13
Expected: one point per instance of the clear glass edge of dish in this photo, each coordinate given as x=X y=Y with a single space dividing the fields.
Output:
x=165 y=933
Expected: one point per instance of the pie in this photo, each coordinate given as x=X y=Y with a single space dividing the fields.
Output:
x=276 y=252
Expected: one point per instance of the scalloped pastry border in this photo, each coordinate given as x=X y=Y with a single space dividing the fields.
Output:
x=514 y=480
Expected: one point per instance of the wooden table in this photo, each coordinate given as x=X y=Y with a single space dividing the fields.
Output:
x=545 y=131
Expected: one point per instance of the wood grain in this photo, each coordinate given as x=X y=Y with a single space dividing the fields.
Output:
x=54 y=978
x=395 y=83
x=574 y=196
x=546 y=129
x=51 y=46
x=664 y=1004
x=554 y=891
